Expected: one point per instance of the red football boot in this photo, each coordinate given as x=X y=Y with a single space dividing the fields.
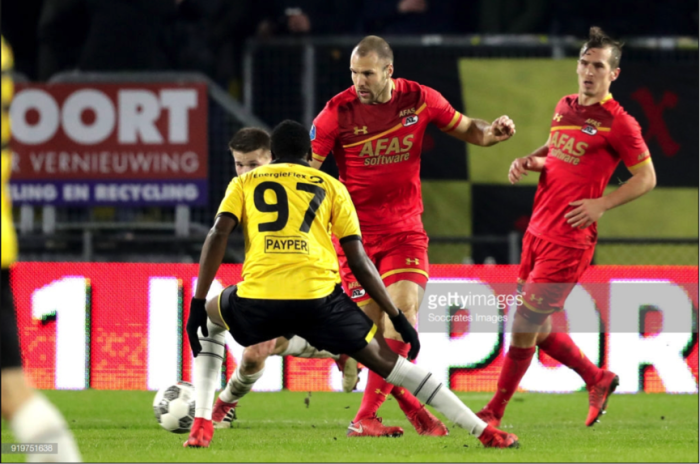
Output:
x=598 y=395
x=223 y=414
x=491 y=437
x=489 y=417
x=427 y=424
x=201 y=434
x=372 y=427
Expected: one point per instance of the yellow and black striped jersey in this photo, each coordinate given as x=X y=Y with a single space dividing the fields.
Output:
x=9 y=239
x=288 y=211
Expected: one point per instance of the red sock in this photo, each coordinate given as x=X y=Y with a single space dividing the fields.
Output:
x=375 y=394
x=407 y=402
x=516 y=363
x=562 y=348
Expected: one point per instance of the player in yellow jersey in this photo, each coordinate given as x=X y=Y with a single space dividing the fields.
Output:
x=32 y=418
x=250 y=148
x=291 y=284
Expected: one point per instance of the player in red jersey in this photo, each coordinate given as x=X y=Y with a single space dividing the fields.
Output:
x=375 y=131
x=590 y=133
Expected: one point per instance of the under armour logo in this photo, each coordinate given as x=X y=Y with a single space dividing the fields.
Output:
x=557 y=117
x=410 y=261
x=379 y=392
x=654 y=113
x=362 y=130
x=533 y=297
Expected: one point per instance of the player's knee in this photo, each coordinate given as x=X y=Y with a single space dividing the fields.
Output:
x=412 y=317
x=4 y=400
x=5 y=409
x=280 y=346
x=253 y=357
x=9 y=406
x=15 y=392
x=409 y=306
x=214 y=316
x=527 y=326
x=410 y=310
x=523 y=339
x=545 y=330
x=408 y=303
x=252 y=366
x=212 y=306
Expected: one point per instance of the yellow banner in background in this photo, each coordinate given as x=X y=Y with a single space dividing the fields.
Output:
x=527 y=90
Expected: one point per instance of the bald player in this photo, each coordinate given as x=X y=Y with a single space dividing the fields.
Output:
x=291 y=284
x=375 y=130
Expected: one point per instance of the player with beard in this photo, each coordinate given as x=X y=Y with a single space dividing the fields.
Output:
x=375 y=130
x=291 y=284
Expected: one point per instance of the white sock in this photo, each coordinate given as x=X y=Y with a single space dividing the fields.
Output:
x=430 y=390
x=38 y=421
x=207 y=369
x=239 y=385
x=300 y=348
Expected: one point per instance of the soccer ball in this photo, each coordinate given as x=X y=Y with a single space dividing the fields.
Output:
x=174 y=407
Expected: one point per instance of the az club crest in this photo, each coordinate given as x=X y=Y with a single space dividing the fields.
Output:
x=589 y=129
x=410 y=120
x=357 y=293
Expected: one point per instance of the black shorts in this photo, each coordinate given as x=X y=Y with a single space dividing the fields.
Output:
x=10 y=356
x=333 y=323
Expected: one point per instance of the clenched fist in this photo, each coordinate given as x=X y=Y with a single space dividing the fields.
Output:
x=503 y=128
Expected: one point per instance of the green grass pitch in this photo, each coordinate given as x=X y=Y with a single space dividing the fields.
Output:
x=119 y=426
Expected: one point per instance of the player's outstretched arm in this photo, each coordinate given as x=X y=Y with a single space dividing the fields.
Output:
x=482 y=133
x=588 y=211
x=366 y=274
